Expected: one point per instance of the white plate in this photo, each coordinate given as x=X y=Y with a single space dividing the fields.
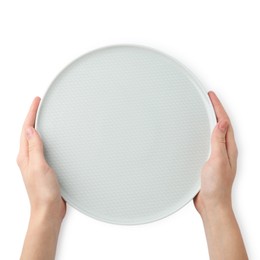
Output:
x=127 y=131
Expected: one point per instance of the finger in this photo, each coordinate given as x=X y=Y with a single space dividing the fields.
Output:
x=231 y=147
x=218 y=107
x=31 y=116
x=230 y=139
x=218 y=139
x=29 y=121
x=35 y=147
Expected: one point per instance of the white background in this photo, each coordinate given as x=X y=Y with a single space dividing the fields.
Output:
x=218 y=40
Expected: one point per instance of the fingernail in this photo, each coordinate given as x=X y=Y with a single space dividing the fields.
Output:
x=222 y=125
x=29 y=132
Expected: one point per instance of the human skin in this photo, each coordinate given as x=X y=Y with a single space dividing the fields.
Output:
x=47 y=206
x=213 y=202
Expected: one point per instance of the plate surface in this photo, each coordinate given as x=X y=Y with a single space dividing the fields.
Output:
x=127 y=131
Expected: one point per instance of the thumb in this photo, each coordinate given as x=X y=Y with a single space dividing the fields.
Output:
x=35 y=145
x=218 y=139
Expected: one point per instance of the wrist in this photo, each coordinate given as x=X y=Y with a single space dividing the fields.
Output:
x=41 y=224
x=212 y=206
x=52 y=211
x=218 y=210
x=46 y=216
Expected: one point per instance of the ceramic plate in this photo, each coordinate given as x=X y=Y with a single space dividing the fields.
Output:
x=127 y=131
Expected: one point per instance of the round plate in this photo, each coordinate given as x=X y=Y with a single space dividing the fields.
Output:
x=127 y=131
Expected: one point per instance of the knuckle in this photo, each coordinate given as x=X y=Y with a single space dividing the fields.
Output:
x=221 y=139
x=32 y=147
x=35 y=147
